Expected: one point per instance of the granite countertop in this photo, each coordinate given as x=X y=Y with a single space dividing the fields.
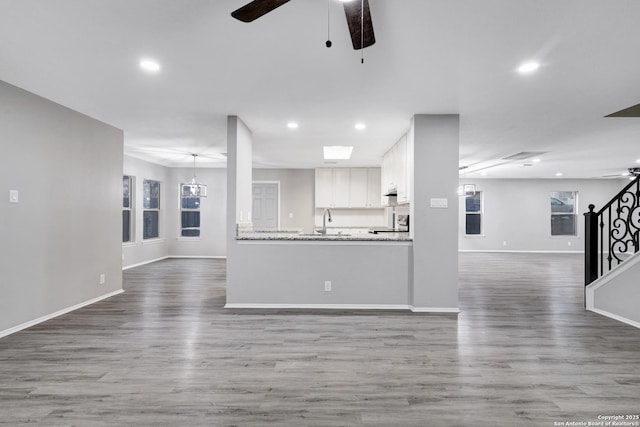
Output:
x=288 y=236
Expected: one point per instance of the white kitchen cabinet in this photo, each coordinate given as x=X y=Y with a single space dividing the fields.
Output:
x=356 y=188
x=400 y=171
x=358 y=194
x=396 y=173
x=341 y=187
x=324 y=187
x=373 y=188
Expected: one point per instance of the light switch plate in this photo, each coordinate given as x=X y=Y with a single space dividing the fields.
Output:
x=14 y=196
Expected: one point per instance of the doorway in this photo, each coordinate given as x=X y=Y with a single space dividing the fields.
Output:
x=266 y=204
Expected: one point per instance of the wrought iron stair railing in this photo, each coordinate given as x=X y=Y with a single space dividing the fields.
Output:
x=613 y=233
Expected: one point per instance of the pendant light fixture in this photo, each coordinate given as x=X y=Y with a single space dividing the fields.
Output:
x=194 y=188
x=465 y=190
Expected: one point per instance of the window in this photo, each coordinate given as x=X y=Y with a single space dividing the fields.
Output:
x=151 y=205
x=473 y=213
x=563 y=213
x=190 y=216
x=127 y=201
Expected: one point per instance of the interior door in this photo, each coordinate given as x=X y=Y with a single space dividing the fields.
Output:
x=265 y=205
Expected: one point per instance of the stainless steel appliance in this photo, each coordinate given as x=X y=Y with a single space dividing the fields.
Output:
x=401 y=226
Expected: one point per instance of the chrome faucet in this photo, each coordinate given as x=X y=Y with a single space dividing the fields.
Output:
x=324 y=221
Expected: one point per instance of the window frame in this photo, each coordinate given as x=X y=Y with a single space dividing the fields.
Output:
x=130 y=209
x=146 y=208
x=182 y=209
x=480 y=213
x=573 y=213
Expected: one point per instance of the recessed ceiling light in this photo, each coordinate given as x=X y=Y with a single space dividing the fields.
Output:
x=483 y=174
x=559 y=174
x=149 y=65
x=360 y=126
x=337 y=152
x=536 y=160
x=528 y=67
x=292 y=125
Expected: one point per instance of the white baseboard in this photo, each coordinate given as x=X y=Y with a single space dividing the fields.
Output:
x=58 y=313
x=144 y=263
x=321 y=306
x=435 y=309
x=616 y=317
x=198 y=256
x=347 y=307
x=174 y=256
x=518 y=252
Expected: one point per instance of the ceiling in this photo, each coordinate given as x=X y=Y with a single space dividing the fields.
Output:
x=430 y=56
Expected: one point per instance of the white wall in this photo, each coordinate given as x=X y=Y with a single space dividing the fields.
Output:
x=617 y=294
x=140 y=250
x=66 y=229
x=212 y=240
x=434 y=142
x=517 y=211
x=297 y=188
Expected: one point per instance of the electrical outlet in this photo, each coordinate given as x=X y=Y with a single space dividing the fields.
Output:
x=290 y=215
x=504 y=243
x=568 y=243
x=102 y=279
x=14 y=196
x=327 y=286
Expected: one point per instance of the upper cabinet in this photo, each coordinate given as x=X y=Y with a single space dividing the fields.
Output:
x=348 y=188
x=396 y=172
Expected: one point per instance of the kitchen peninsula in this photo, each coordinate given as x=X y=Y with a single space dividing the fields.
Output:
x=412 y=271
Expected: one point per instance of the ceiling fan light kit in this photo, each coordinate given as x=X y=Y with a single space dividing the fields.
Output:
x=356 y=11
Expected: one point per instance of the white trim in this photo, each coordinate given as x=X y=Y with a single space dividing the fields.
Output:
x=321 y=306
x=153 y=240
x=144 y=262
x=524 y=252
x=616 y=317
x=175 y=256
x=198 y=256
x=590 y=290
x=57 y=313
x=435 y=309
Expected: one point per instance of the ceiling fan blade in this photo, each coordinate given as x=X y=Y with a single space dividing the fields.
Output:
x=353 y=12
x=254 y=10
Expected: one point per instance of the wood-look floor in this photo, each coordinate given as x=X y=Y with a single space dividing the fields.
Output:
x=523 y=352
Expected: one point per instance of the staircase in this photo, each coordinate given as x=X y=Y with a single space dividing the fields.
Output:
x=612 y=256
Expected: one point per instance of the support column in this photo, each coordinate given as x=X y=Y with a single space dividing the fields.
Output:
x=434 y=141
x=239 y=179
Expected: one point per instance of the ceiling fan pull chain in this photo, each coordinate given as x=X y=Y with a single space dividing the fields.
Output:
x=362 y=31
x=328 y=43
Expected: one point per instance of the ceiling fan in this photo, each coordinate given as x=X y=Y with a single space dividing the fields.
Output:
x=357 y=13
x=631 y=173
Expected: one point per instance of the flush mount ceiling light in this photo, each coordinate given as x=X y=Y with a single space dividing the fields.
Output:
x=528 y=67
x=559 y=174
x=194 y=188
x=536 y=160
x=292 y=125
x=360 y=126
x=149 y=65
x=337 y=152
